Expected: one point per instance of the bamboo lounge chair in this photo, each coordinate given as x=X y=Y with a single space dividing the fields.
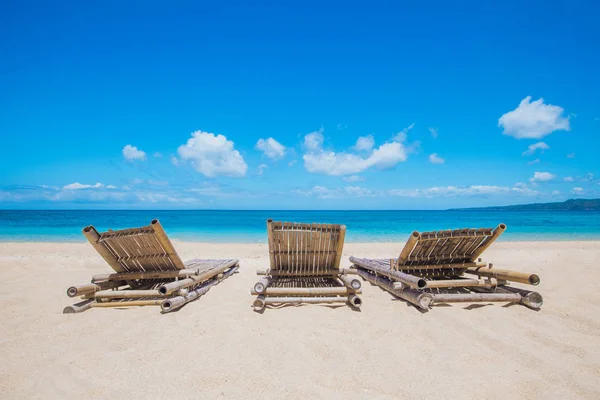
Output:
x=431 y=268
x=147 y=271
x=304 y=267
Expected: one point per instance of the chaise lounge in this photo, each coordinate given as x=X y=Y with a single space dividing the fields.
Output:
x=431 y=270
x=304 y=267
x=147 y=271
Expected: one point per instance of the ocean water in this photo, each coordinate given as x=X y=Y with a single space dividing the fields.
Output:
x=249 y=226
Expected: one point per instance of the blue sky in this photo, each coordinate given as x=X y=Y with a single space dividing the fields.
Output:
x=407 y=105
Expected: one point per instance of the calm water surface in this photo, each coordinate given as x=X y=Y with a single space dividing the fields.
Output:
x=249 y=226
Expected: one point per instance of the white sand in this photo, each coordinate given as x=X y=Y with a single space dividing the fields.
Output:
x=217 y=347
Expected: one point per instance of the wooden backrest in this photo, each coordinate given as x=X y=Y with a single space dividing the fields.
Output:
x=297 y=249
x=446 y=247
x=137 y=249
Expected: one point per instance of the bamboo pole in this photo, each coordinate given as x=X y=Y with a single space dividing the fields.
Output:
x=169 y=288
x=476 y=297
x=533 y=300
x=262 y=284
x=271 y=243
x=304 y=300
x=78 y=307
x=92 y=287
x=441 y=266
x=93 y=236
x=182 y=273
x=419 y=299
x=185 y=296
x=410 y=280
x=350 y=282
x=259 y=303
x=521 y=277
x=134 y=303
x=166 y=244
x=491 y=239
x=349 y=271
x=124 y=294
x=297 y=291
x=340 y=247
x=354 y=301
x=274 y=272
x=408 y=248
x=450 y=283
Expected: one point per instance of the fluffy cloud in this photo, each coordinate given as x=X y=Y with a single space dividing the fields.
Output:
x=364 y=143
x=77 y=186
x=314 y=140
x=434 y=132
x=569 y=179
x=271 y=148
x=320 y=161
x=533 y=120
x=354 y=178
x=542 y=177
x=435 y=159
x=577 y=190
x=474 y=190
x=212 y=155
x=534 y=147
x=403 y=134
x=261 y=169
x=536 y=161
x=132 y=153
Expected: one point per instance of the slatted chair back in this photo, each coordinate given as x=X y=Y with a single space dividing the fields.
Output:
x=137 y=249
x=446 y=248
x=297 y=249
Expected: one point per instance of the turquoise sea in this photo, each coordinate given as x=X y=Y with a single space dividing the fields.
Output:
x=249 y=226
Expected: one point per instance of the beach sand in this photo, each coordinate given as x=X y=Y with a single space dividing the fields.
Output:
x=218 y=347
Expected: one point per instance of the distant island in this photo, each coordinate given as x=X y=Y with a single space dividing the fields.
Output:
x=568 y=205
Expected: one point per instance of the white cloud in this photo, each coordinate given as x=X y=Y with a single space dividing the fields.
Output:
x=132 y=153
x=577 y=190
x=212 y=155
x=474 y=190
x=354 y=178
x=157 y=155
x=403 y=134
x=261 y=169
x=292 y=163
x=534 y=147
x=435 y=159
x=569 y=179
x=434 y=132
x=542 y=177
x=536 y=161
x=77 y=186
x=318 y=160
x=357 y=191
x=364 y=143
x=175 y=161
x=533 y=120
x=271 y=148
x=314 y=140
x=111 y=187
x=319 y=192
x=555 y=192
